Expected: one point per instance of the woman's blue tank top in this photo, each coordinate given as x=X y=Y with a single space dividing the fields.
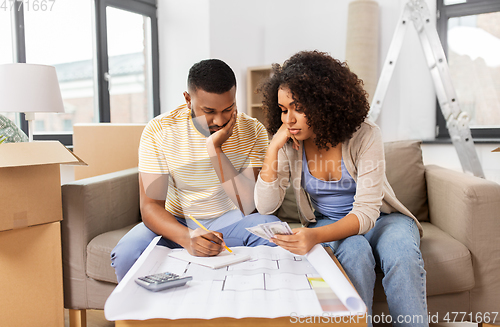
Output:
x=333 y=199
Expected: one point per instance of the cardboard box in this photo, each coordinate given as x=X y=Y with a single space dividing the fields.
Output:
x=30 y=192
x=106 y=147
x=31 y=291
x=496 y=150
x=31 y=285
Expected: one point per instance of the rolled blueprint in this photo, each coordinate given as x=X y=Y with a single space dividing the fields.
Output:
x=332 y=275
x=363 y=42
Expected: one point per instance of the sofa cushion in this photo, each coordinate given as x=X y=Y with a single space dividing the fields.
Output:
x=448 y=264
x=447 y=261
x=406 y=173
x=99 y=254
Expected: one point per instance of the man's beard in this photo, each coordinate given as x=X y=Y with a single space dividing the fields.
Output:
x=193 y=116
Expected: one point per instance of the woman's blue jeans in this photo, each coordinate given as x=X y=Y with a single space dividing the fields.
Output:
x=394 y=245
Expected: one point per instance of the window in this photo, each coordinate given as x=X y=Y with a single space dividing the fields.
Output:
x=106 y=57
x=6 y=55
x=69 y=50
x=40 y=124
x=129 y=66
x=470 y=34
x=5 y=37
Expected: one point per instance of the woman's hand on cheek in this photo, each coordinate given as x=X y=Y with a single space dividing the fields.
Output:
x=295 y=144
x=301 y=242
x=282 y=136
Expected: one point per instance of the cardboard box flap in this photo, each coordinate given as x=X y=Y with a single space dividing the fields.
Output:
x=496 y=150
x=36 y=153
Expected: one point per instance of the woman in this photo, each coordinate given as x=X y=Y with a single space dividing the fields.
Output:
x=334 y=159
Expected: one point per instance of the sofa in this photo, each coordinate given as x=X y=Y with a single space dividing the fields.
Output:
x=460 y=215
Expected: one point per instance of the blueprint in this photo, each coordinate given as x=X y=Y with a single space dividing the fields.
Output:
x=273 y=283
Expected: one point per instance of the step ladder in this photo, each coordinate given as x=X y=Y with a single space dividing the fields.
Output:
x=457 y=121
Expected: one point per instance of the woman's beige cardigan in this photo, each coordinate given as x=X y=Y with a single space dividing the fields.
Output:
x=363 y=157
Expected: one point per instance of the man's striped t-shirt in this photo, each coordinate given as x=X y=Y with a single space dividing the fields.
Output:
x=170 y=144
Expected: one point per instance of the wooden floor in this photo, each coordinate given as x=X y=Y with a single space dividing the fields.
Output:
x=95 y=318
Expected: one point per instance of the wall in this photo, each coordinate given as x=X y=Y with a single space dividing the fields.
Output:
x=261 y=32
x=183 y=32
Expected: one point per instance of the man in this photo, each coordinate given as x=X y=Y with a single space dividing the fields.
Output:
x=208 y=157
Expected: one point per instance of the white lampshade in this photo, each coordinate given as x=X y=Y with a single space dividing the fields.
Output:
x=29 y=88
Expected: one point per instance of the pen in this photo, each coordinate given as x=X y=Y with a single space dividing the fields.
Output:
x=198 y=223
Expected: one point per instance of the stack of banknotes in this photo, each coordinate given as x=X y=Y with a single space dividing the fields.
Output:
x=268 y=230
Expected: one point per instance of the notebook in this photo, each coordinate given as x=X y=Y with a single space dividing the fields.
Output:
x=222 y=260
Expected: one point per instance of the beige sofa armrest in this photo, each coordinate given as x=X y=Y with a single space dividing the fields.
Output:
x=468 y=208
x=93 y=206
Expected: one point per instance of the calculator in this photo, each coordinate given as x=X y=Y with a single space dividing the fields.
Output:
x=162 y=281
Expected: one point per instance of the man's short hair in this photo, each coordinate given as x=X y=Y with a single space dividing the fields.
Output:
x=211 y=75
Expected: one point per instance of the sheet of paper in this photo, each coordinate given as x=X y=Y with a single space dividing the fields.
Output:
x=224 y=258
x=260 y=290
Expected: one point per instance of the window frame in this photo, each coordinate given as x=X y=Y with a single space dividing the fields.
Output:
x=142 y=7
x=445 y=12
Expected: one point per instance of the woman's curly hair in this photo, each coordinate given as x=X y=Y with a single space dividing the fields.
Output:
x=332 y=97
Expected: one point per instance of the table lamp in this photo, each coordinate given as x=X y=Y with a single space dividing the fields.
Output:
x=29 y=88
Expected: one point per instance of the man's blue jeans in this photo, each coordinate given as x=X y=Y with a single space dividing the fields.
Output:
x=232 y=226
x=393 y=244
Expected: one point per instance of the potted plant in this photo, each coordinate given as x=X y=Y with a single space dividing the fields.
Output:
x=9 y=132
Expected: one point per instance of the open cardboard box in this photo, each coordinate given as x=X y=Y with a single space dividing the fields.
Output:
x=30 y=180
x=31 y=292
x=106 y=147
